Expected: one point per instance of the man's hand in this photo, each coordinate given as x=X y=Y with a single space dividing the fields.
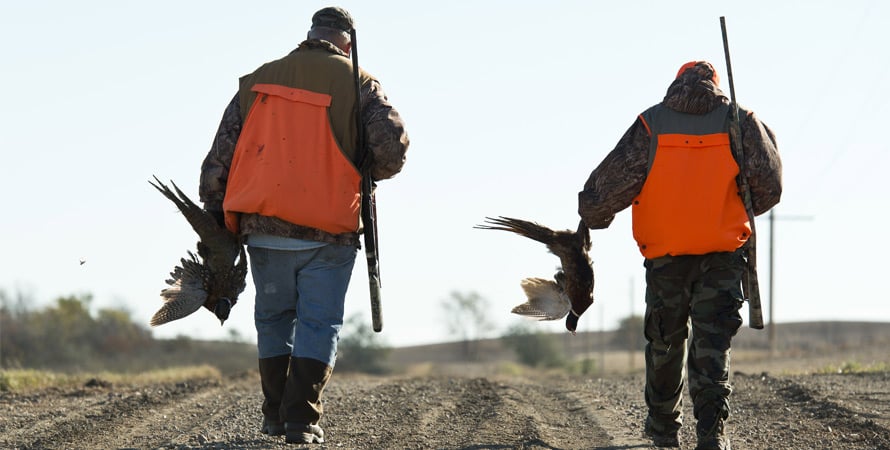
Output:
x=588 y=204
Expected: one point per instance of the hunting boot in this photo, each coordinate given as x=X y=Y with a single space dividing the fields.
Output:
x=273 y=376
x=301 y=407
x=662 y=433
x=710 y=429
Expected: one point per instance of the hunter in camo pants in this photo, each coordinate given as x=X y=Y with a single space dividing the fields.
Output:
x=704 y=292
x=675 y=168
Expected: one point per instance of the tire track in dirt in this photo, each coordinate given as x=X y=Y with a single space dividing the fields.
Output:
x=553 y=409
x=40 y=420
x=854 y=424
x=615 y=404
x=811 y=411
x=83 y=418
x=448 y=412
x=460 y=413
x=409 y=413
x=361 y=412
x=193 y=420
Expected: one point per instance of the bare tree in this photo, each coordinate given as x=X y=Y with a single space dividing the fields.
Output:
x=466 y=316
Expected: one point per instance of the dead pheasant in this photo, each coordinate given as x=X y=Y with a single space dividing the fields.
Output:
x=213 y=278
x=571 y=292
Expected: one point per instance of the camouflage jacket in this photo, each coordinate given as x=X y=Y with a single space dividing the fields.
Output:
x=619 y=178
x=385 y=137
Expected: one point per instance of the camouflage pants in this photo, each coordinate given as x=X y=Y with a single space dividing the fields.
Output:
x=704 y=291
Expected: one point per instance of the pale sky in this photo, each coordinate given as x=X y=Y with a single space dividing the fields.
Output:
x=509 y=106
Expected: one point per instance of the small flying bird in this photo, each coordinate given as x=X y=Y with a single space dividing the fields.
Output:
x=83 y=261
x=214 y=277
x=571 y=291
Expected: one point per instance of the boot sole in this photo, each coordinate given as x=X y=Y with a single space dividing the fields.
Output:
x=274 y=431
x=303 y=438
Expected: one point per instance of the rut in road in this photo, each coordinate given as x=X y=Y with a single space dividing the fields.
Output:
x=110 y=419
x=361 y=412
x=447 y=412
x=858 y=420
x=204 y=418
x=457 y=412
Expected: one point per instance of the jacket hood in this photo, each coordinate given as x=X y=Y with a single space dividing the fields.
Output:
x=694 y=91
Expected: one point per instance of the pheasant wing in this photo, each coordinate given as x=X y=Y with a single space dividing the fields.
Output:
x=570 y=247
x=185 y=295
x=546 y=301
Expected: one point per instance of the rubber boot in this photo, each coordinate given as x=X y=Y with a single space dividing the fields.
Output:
x=301 y=407
x=273 y=376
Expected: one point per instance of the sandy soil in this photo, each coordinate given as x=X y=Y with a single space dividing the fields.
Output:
x=448 y=411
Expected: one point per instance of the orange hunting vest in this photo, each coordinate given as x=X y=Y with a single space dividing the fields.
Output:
x=690 y=203
x=287 y=164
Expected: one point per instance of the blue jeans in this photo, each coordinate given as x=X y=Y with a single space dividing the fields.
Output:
x=299 y=299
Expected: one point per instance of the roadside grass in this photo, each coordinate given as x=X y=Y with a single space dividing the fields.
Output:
x=21 y=380
x=853 y=367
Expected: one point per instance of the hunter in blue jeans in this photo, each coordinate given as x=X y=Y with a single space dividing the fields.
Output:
x=283 y=175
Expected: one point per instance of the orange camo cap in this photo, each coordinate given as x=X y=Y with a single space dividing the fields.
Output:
x=714 y=77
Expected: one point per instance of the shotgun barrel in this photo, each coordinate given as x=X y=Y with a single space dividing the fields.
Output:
x=369 y=200
x=750 y=283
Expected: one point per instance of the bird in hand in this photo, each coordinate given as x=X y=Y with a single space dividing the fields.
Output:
x=570 y=293
x=214 y=277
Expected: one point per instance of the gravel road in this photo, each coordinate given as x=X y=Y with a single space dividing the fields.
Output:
x=447 y=412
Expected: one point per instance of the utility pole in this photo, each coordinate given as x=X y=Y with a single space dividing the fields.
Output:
x=602 y=339
x=771 y=330
x=771 y=327
x=631 y=338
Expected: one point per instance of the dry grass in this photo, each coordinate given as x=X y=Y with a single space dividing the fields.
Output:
x=848 y=367
x=22 y=380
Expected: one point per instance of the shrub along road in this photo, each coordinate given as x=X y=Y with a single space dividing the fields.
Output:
x=447 y=412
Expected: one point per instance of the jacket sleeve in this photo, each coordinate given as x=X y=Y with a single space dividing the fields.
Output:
x=385 y=132
x=215 y=169
x=763 y=167
x=619 y=178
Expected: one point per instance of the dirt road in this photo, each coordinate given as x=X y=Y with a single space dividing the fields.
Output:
x=447 y=412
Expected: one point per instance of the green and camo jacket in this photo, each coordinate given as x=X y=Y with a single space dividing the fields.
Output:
x=619 y=178
x=385 y=138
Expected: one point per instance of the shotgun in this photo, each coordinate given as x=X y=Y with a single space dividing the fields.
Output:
x=750 y=284
x=369 y=201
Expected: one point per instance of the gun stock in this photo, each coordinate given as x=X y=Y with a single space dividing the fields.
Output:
x=369 y=218
x=750 y=283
